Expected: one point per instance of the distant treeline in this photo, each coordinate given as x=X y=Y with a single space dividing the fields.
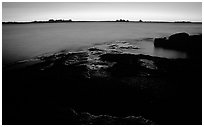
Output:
x=123 y=20
x=119 y=20
x=49 y=21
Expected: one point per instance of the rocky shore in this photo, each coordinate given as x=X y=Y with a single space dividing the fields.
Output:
x=103 y=86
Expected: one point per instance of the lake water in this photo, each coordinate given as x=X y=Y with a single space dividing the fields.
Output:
x=23 y=41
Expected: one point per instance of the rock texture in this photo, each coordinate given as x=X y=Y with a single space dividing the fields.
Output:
x=118 y=88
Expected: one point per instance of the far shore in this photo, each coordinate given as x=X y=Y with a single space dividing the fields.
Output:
x=70 y=21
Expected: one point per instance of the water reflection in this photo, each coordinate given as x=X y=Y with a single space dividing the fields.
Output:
x=169 y=53
x=147 y=47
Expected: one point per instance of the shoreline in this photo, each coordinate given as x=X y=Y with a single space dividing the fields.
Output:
x=122 y=46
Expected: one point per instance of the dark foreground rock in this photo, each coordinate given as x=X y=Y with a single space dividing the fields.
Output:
x=102 y=87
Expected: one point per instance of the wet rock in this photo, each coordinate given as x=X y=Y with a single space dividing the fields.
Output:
x=87 y=118
x=130 y=65
x=94 y=49
x=113 y=46
x=76 y=58
x=149 y=64
x=137 y=120
x=129 y=47
x=122 y=58
x=122 y=45
x=99 y=69
x=123 y=42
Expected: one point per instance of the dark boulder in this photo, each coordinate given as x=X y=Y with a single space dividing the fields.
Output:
x=179 y=37
x=181 y=41
x=160 y=42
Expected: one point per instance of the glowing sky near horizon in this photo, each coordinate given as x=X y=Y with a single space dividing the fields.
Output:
x=100 y=11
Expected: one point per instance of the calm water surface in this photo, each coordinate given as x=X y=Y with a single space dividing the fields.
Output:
x=23 y=41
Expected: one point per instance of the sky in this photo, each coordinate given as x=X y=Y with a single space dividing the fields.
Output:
x=102 y=11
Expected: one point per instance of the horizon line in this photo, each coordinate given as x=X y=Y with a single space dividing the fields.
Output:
x=120 y=20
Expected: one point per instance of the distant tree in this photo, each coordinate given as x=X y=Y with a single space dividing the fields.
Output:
x=122 y=20
x=140 y=20
x=51 y=20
